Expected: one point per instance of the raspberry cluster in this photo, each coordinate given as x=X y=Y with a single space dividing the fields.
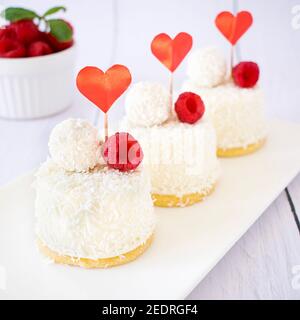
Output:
x=23 y=38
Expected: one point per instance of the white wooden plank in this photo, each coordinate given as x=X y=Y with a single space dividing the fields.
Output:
x=260 y=265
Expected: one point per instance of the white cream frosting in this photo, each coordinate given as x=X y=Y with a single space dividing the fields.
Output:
x=180 y=157
x=74 y=145
x=98 y=214
x=206 y=67
x=147 y=104
x=237 y=113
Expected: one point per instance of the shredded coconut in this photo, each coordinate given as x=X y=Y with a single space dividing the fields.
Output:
x=237 y=113
x=98 y=214
x=147 y=104
x=74 y=145
x=181 y=158
x=206 y=67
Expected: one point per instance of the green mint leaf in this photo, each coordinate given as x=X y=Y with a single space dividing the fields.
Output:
x=60 y=30
x=54 y=10
x=15 y=14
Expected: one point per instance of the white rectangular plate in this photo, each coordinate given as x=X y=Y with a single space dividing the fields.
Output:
x=188 y=243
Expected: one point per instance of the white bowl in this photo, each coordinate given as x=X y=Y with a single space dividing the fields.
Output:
x=36 y=87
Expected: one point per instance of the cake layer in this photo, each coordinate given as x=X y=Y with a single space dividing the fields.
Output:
x=241 y=151
x=167 y=201
x=96 y=263
x=181 y=157
x=237 y=113
x=99 y=214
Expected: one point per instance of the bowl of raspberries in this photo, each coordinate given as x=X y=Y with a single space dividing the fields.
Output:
x=37 y=59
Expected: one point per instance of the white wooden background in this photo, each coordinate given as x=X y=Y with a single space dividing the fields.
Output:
x=261 y=264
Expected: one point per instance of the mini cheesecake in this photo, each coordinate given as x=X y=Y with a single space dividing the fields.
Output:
x=237 y=112
x=95 y=217
x=237 y=115
x=180 y=156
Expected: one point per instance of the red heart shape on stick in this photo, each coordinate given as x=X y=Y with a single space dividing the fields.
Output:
x=170 y=52
x=233 y=27
x=103 y=88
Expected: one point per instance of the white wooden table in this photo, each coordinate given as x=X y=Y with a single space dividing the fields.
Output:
x=261 y=264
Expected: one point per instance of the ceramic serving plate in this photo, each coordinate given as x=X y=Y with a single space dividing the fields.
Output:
x=189 y=242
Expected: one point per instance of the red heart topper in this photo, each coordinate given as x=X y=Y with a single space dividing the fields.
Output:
x=171 y=52
x=233 y=27
x=103 y=89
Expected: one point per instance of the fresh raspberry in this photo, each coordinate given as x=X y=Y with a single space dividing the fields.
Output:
x=59 y=45
x=121 y=151
x=39 y=48
x=11 y=49
x=246 y=74
x=189 y=107
x=26 y=31
x=7 y=33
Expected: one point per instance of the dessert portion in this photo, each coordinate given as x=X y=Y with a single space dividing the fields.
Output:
x=179 y=143
x=29 y=34
x=235 y=104
x=93 y=206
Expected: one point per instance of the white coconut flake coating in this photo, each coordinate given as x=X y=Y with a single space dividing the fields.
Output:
x=74 y=145
x=98 y=214
x=147 y=104
x=181 y=158
x=237 y=113
x=206 y=67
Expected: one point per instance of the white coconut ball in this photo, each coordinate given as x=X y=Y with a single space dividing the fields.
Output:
x=74 y=145
x=147 y=104
x=207 y=67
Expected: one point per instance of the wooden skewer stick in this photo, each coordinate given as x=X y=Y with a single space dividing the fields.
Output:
x=171 y=92
x=106 y=126
x=231 y=60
